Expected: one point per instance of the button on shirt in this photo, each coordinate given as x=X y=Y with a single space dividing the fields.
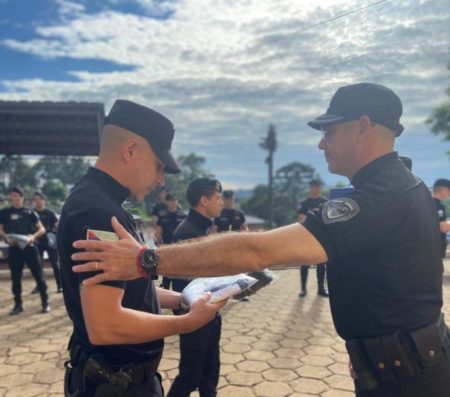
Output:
x=384 y=268
x=91 y=204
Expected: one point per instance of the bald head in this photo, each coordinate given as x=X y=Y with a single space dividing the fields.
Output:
x=113 y=138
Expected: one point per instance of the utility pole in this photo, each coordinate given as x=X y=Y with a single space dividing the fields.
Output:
x=270 y=144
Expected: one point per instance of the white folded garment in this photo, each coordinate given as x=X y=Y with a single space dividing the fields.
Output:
x=22 y=240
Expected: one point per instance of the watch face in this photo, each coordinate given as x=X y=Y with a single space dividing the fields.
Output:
x=149 y=259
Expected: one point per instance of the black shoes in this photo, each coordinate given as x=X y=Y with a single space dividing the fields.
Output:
x=302 y=293
x=59 y=290
x=323 y=292
x=16 y=310
x=45 y=308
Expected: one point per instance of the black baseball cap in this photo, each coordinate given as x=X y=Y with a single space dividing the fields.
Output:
x=379 y=103
x=151 y=125
x=442 y=182
x=16 y=189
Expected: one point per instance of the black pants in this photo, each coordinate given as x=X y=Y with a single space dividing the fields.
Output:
x=321 y=272
x=53 y=258
x=199 y=361
x=17 y=259
x=166 y=282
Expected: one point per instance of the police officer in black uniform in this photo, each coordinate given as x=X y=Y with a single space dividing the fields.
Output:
x=166 y=225
x=117 y=338
x=199 y=365
x=230 y=219
x=441 y=192
x=160 y=208
x=381 y=243
x=47 y=242
x=21 y=221
x=314 y=200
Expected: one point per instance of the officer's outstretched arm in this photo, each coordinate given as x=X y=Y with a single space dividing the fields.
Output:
x=221 y=254
x=109 y=323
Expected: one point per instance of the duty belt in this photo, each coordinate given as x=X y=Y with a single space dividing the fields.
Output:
x=397 y=355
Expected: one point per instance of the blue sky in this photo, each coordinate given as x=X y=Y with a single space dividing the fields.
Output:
x=222 y=70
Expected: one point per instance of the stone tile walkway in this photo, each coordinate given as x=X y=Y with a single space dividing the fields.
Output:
x=275 y=345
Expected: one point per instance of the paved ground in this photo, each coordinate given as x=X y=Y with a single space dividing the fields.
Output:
x=275 y=345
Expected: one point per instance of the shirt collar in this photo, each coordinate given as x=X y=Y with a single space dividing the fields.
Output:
x=373 y=167
x=117 y=192
x=202 y=221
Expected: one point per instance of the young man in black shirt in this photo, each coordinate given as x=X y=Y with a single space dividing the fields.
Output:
x=47 y=242
x=380 y=243
x=441 y=192
x=199 y=365
x=166 y=225
x=230 y=218
x=117 y=326
x=313 y=201
x=19 y=220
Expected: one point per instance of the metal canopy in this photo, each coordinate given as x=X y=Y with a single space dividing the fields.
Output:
x=50 y=128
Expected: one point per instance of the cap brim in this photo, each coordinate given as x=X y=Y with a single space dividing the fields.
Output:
x=325 y=120
x=171 y=165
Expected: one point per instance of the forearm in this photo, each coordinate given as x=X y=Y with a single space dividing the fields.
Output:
x=444 y=226
x=168 y=299
x=39 y=232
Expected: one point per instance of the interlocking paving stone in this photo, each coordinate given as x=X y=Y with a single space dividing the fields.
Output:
x=275 y=345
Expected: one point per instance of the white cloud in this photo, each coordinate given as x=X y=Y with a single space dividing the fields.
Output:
x=223 y=70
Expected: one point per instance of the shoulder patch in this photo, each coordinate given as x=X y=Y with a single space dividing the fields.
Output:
x=339 y=210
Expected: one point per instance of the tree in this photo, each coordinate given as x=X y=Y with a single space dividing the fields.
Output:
x=270 y=144
x=14 y=170
x=440 y=117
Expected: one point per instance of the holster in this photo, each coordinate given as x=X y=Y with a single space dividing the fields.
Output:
x=397 y=355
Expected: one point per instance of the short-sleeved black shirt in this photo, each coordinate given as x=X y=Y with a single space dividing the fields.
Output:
x=169 y=222
x=230 y=219
x=91 y=204
x=382 y=241
x=159 y=209
x=310 y=203
x=195 y=225
x=442 y=217
x=49 y=220
x=18 y=220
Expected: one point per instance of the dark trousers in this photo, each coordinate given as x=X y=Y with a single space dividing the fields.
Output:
x=53 y=258
x=17 y=259
x=199 y=366
x=321 y=272
x=166 y=282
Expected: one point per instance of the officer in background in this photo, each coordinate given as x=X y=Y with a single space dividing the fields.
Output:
x=381 y=243
x=17 y=219
x=230 y=219
x=118 y=331
x=441 y=192
x=47 y=242
x=314 y=200
x=166 y=225
x=199 y=365
x=160 y=208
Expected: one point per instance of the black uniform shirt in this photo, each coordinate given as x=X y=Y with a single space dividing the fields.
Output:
x=195 y=225
x=384 y=269
x=310 y=203
x=169 y=222
x=230 y=219
x=91 y=204
x=18 y=220
x=442 y=217
x=49 y=220
x=159 y=210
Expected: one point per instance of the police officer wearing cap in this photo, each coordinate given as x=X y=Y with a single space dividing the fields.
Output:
x=199 y=365
x=230 y=219
x=18 y=220
x=47 y=242
x=441 y=192
x=118 y=331
x=381 y=243
x=166 y=225
x=314 y=200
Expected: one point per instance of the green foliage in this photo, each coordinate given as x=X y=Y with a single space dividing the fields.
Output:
x=290 y=188
x=440 y=117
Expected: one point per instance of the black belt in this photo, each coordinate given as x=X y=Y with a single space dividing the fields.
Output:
x=397 y=355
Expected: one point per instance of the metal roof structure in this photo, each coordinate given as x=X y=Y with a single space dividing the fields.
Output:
x=50 y=128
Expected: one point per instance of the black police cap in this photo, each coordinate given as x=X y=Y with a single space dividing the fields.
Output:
x=151 y=125
x=379 y=103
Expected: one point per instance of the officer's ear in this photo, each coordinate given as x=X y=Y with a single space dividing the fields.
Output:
x=129 y=150
x=365 y=126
